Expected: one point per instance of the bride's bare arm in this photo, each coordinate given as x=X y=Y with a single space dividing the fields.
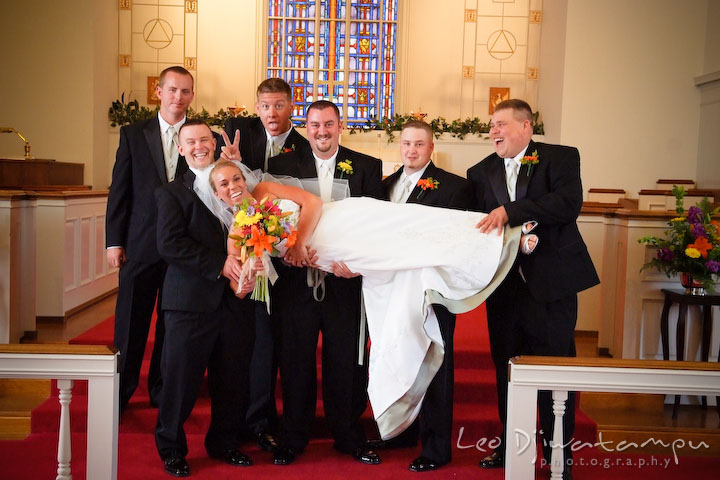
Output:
x=310 y=211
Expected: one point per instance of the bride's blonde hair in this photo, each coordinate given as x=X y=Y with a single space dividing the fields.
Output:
x=222 y=164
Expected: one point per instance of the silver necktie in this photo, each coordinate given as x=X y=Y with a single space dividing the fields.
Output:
x=171 y=152
x=511 y=174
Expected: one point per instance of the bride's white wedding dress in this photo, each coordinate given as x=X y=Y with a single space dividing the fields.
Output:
x=410 y=256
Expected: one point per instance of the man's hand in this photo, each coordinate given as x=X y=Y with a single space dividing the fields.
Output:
x=495 y=219
x=301 y=256
x=339 y=269
x=116 y=257
x=232 y=269
x=231 y=151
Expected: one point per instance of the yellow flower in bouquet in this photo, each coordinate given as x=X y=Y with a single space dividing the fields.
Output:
x=257 y=230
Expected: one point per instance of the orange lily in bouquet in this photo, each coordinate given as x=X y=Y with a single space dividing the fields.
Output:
x=258 y=230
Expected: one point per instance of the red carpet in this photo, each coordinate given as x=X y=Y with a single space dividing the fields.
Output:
x=474 y=415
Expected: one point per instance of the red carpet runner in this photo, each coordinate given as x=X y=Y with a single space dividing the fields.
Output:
x=474 y=423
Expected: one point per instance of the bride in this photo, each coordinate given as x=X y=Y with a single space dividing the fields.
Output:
x=410 y=256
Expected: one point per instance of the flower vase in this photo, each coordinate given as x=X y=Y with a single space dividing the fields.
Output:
x=692 y=286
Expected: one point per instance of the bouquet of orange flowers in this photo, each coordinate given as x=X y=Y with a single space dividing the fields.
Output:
x=259 y=229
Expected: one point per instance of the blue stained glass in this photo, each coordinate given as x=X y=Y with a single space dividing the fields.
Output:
x=355 y=60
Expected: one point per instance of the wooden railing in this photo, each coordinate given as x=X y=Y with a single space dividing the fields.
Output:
x=66 y=363
x=529 y=374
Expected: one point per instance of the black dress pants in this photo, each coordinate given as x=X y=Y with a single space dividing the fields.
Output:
x=518 y=324
x=222 y=342
x=344 y=382
x=139 y=286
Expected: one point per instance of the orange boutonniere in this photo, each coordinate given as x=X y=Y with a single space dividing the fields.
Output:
x=427 y=184
x=530 y=160
x=288 y=150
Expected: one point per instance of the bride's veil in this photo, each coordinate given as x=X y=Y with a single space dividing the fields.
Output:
x=340 y=188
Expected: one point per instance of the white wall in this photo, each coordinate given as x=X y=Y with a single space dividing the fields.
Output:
x=616 y=79
x=629 y=100
x=708 y=172
x=57 y=81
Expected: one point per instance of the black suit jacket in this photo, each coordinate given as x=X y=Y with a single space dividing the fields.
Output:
x=194 y=244
x=139 y=169
x=453 y=191
x=365 y=180
x=253 y=140
x=551 y=194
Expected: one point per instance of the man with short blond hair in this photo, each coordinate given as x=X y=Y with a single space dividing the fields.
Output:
x=434 y=425
x=254 y=141
x=147 y=157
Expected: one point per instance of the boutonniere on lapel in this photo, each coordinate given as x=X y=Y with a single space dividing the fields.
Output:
x=345 y=168
x=288 y=150
x=530 y=160
x=427 y=184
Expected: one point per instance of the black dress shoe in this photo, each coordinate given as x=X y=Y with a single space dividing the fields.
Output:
x=176 y=466
x=233 y=456
x=423 y=464
x=366 y=456
x=266 y=442
x=494 y=460
x=284 y=455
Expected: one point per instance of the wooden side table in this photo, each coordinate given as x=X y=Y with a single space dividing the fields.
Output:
x=683 y=300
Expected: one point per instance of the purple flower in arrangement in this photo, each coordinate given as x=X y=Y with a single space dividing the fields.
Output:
x=712 y=266
x=698 y=230
x=694 y=215
x=250 y=210
x=665 y=254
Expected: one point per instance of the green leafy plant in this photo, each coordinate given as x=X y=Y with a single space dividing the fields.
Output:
x=122 y=113
x=457 y=128
x=692 y=242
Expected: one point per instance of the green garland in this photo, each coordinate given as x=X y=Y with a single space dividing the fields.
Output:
x=457 y=128
x=121 y=113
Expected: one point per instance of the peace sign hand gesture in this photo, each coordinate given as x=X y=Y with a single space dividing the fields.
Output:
x=231 y=151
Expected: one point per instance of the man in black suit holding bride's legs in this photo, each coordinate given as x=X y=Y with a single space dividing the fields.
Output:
x=333 y=309
x=534 y=310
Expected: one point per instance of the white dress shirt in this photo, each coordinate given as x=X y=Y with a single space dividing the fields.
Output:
x=405 y=185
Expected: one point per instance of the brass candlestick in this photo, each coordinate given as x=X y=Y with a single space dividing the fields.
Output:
x=27 y=144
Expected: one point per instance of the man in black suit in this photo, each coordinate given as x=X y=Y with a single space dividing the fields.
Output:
x=435 y=423
x=147 y=158
x=303 y=313
x=255 y=139
x=534 y=310
x=207 y=326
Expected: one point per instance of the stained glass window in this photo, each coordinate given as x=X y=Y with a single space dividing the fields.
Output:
x=337 y=50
